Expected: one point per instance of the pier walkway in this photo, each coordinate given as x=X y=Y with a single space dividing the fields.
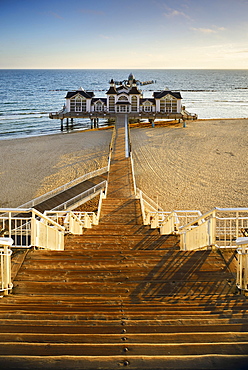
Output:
x=122 y=295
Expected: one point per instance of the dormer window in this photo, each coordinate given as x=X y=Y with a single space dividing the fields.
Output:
x=99 y=106
x=168 y=104
x=78 y=104
x=147 y=106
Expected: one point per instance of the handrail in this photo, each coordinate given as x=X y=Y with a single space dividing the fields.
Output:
x=5 y=266
x=110 y=156
x=62 y=217
x=163 y=219
x=127 y=137
x=242 y=270
x=29 y=227
x=169 y=225
x=75 y=224
x=133 y=175
x=212 y=211
x=149 y=201
x=217 y=227
x=142 y=207
x=102 y=196
x=62 y=188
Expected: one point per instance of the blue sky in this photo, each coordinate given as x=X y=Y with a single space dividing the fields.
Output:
x=124 y=34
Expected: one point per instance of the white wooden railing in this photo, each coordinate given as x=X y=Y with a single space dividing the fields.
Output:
x=73 y=222
x=242 y=270
x=134 y=181
x=219 y=227
x=28 y=227
x=32 y=203
x=102 y=196
x=111 y=146
x=169 y=222
x=149 y=204
x=5 y=266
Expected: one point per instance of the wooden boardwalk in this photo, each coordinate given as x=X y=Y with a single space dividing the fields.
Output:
x=68 y=194
x=122 y=295
x=121 y=206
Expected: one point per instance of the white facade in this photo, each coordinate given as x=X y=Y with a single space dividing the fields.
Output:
x=123 y=99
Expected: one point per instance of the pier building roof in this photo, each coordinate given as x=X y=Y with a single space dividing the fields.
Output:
x=161 y=94
x=85 y=94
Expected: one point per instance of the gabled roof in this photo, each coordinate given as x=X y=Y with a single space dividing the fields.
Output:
x=122 y=87
x=103 y=100
x=134 y=90
x=151 y=100
x=85 y=94
x=161 y=94
x=111 y=90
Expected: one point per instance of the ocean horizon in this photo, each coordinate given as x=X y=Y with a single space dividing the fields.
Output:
x=28 y=95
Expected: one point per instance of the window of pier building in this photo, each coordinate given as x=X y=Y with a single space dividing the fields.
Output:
x=147 y=106
x=123 y=98
x=78 y=104
x=168 y=104
x=134 y=104
x=111 y=104
x=99 y=106
x=122 y=108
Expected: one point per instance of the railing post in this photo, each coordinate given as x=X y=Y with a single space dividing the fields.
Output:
x=242 y=270
x=237 y=225
x=155 y=221
x=6 y=265
x=212 y=229
x=9 y=226
x=87 y=223
x=142 y=206
x=33 y=230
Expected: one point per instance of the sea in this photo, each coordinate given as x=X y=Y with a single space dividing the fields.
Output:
x=27 y=96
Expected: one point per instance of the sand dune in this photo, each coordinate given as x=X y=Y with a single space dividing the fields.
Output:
x=198 y=167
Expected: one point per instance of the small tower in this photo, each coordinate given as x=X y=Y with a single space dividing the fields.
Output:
x=131 y=80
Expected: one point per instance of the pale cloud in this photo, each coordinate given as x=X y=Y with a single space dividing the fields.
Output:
x=208 y=30
x=104 y=37
x=171 y=13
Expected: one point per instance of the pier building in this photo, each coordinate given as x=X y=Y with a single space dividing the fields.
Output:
x=123 y=97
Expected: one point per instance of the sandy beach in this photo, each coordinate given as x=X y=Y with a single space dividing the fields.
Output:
x=33 y=166
x=198 y=167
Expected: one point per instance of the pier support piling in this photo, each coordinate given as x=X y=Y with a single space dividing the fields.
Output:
x=151 y=121
x=61 y=124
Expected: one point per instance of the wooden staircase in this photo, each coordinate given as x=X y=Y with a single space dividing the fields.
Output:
x=123 y=296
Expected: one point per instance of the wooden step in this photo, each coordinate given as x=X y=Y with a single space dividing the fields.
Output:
x=205 y=362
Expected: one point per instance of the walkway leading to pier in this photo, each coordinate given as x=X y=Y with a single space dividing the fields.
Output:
x=122 y=295
x=120 y=207
x=70 y=193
